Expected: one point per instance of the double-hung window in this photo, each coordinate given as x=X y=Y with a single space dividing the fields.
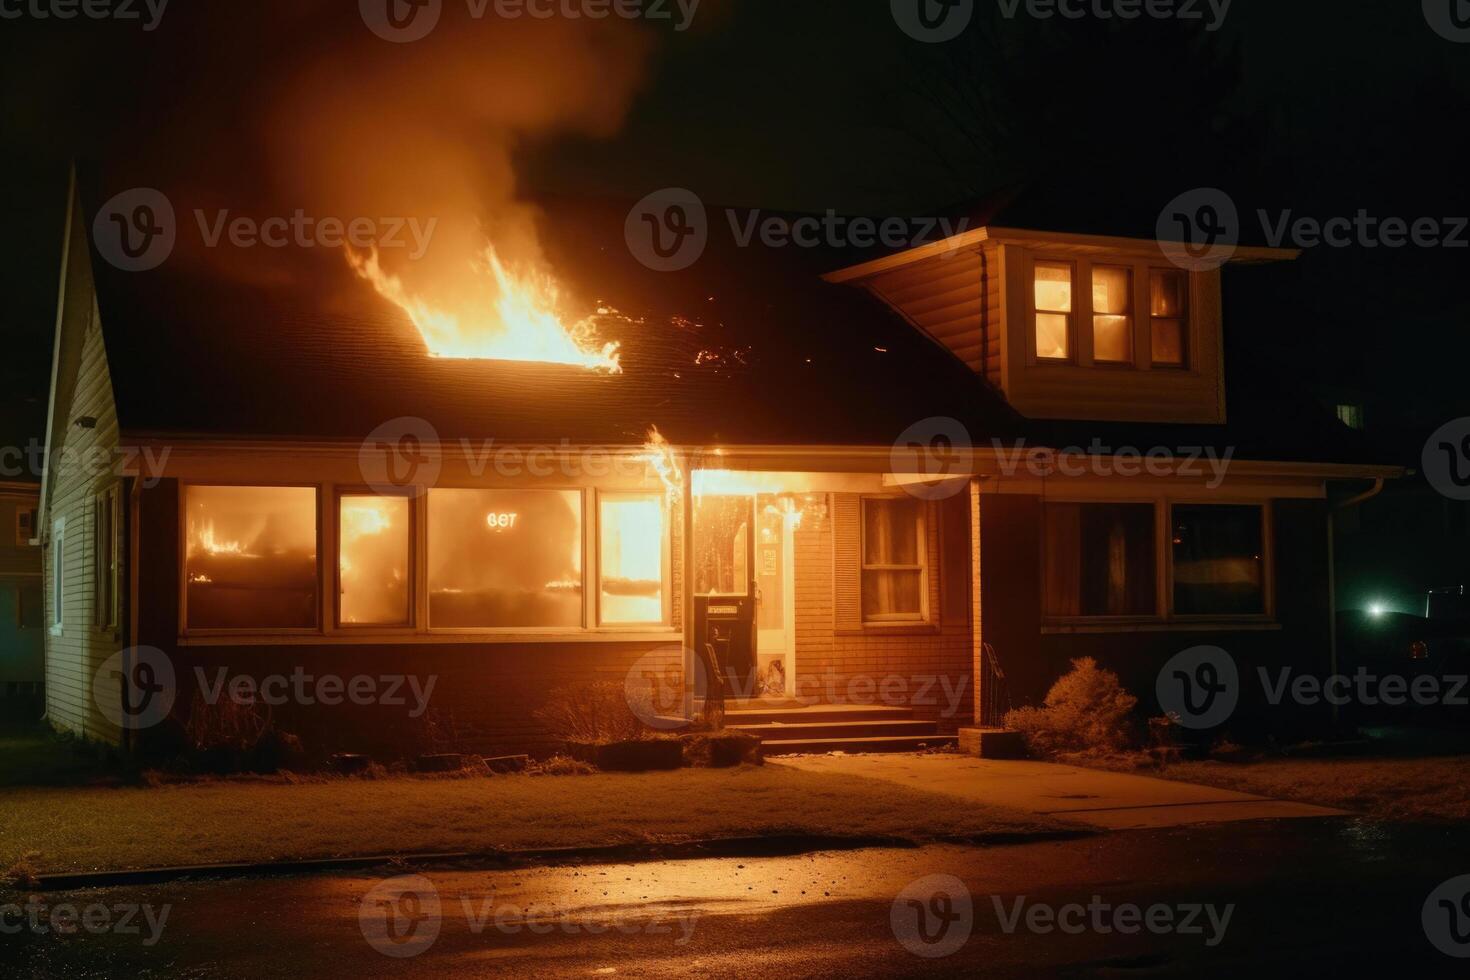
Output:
x=895 y=575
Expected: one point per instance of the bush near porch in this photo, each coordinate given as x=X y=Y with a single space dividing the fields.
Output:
x=268 y=819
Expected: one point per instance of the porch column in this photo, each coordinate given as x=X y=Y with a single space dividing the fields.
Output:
x=977 y=635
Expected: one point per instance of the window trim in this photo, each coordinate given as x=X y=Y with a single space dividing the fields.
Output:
x=342 y=491
x=57 y=624
x=1082 y=342
x=1166 y=618
x=107 y=620
x=666 y=549
x=588 y=543
x=185 y=631
x=925 y=614
x=1268 y=564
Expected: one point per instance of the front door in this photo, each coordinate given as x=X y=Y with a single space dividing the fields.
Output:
x=775 y=595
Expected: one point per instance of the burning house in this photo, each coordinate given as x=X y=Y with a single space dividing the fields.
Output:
x=826 y=470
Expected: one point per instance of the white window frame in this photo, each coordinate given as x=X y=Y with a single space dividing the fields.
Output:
x=58 y=577
x=665 y=548
x=922 y=531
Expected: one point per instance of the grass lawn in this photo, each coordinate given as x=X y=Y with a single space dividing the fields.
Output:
x=1389 y=788
x=104 y=828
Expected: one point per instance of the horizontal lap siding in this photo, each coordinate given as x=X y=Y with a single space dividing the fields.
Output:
x=83 y=461
x=851 y=667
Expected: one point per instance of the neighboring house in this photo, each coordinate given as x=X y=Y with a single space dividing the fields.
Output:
x=22 y=650
x=301 y=490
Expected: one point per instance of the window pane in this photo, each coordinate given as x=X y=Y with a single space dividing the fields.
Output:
x=1099 y=560
x=1168 y=343
x=505 y=558
x=1167 y=288
x=722 y=545
x=892 y=595
x=250 y=560
x=1054 y=287
x=1112 y=304
x=633 y=531
x=891 y=531
x=1219 y=563
x=1051 y=336
x=374 y=561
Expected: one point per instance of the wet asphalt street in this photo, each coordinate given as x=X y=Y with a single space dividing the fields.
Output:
x=1301 y=898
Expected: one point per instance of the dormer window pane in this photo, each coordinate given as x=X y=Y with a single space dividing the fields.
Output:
x=1053 y=310
x=1112 y=308
x=1168 y=289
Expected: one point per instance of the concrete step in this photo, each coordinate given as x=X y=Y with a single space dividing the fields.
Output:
x=883 y=728
x=739 y=717
x=900 y=743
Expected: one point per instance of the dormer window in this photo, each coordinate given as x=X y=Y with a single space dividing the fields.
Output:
x=1054 y=311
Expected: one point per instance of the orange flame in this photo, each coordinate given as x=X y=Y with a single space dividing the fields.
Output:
x=659 y=455
x=504 y=315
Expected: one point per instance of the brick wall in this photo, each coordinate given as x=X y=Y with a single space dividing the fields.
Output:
x=928 y=668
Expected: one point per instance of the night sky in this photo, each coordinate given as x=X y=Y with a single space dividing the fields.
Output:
x=1321 y=107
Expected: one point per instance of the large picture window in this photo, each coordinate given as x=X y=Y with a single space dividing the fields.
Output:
x=250 y=559
x=1219 y=560
x=633 y=543
x=373 y=560
x=505 y=559
x=1099 y=560
x=894 y=570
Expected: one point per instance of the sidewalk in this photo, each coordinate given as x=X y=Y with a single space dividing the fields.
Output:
x=1109 y=800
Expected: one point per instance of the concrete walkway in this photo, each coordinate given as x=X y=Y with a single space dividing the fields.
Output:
x=1110 y=800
